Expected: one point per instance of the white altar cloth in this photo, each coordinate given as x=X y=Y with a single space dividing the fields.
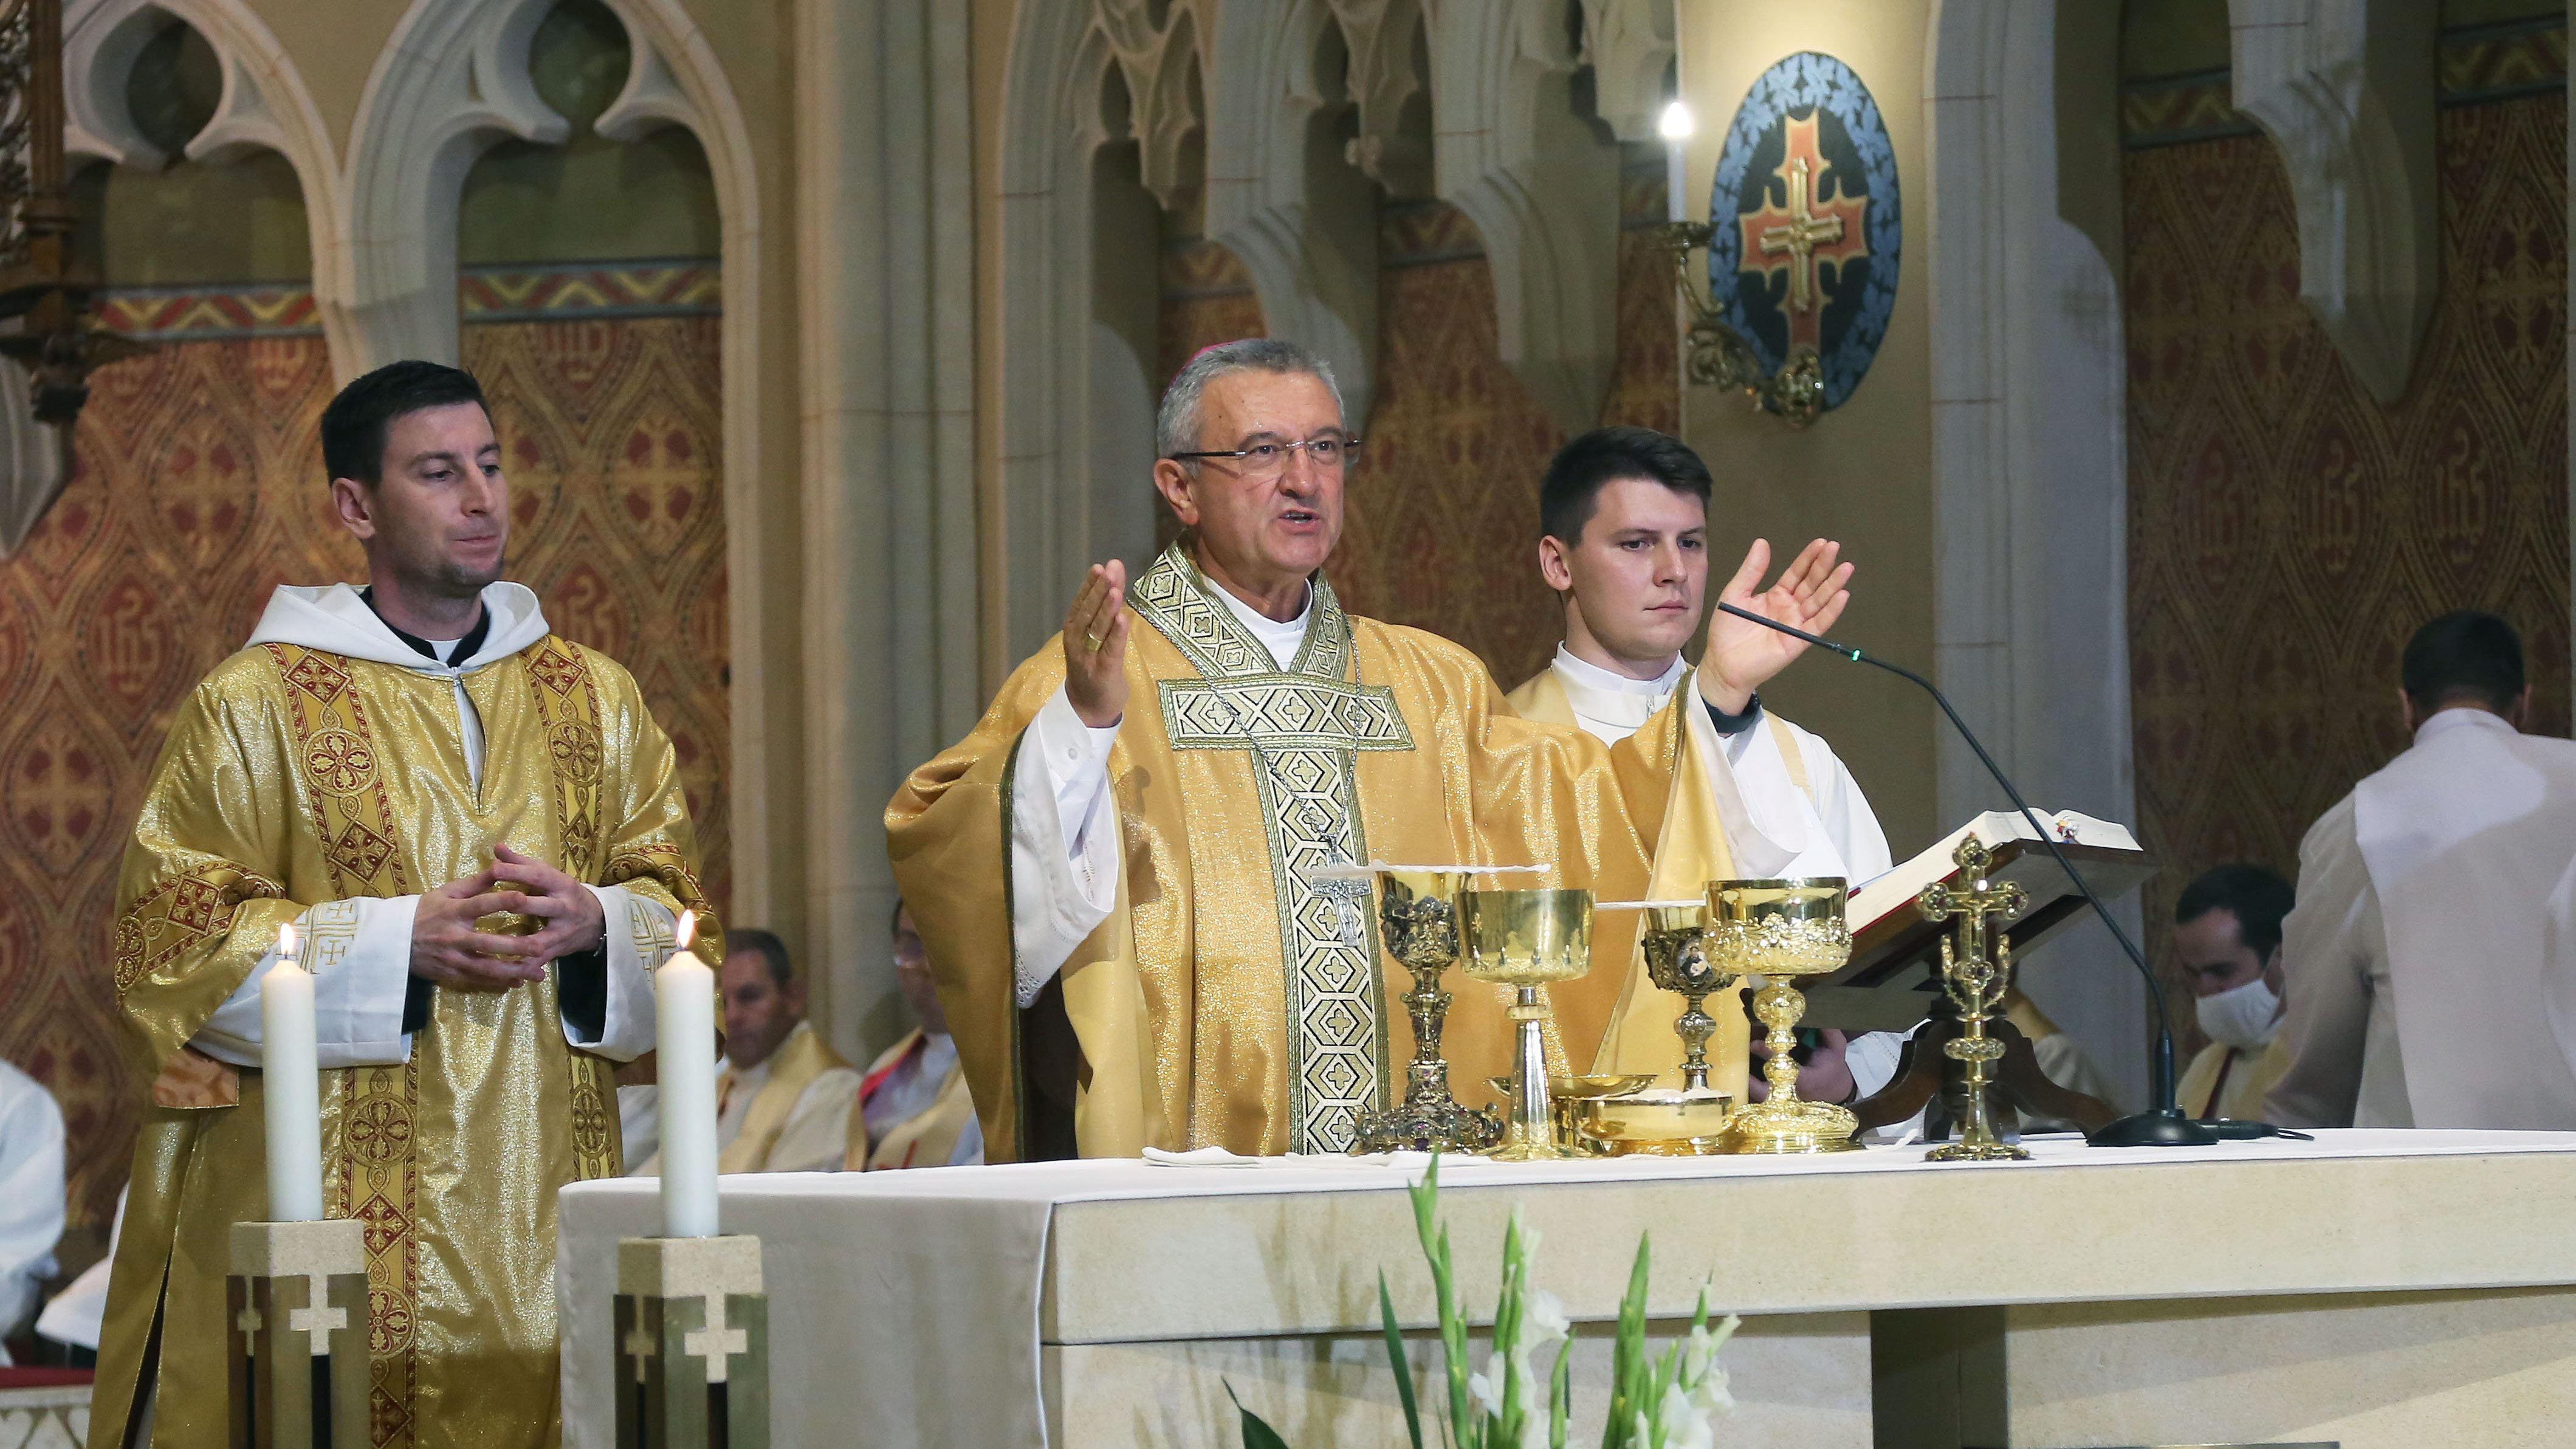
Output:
x=909 y=1307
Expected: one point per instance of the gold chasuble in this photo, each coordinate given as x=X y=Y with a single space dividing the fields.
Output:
x=1228 y=1000
x=299 y=782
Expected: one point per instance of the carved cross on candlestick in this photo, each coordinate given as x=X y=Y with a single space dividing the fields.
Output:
x=1976 y=981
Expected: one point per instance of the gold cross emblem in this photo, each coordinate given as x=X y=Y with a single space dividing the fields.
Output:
x=1819 y=226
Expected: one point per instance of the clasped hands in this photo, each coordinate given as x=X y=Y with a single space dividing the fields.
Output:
x=1742 y=656
x=448 y=950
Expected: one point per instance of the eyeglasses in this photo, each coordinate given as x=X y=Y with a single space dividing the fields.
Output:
x=1269 y=460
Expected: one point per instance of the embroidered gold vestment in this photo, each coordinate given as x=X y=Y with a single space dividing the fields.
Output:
x=293 y=778
x=1227 y=1000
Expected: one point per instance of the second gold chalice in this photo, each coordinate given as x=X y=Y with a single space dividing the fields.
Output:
x=1677 y=961
x=1781 y=930
x=1526 y=939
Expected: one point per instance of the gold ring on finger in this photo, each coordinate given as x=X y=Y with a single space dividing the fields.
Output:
x=1094 y=640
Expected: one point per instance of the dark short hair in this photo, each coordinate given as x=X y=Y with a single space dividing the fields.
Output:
x=2463 y=657
x=355 y=424
x=770 y=949
x=2257 y=897
x=1594 y=461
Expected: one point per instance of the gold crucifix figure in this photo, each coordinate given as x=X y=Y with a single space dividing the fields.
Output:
x=1975 y=979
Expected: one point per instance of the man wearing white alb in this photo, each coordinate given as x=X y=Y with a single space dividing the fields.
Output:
x=1623 y=521
x=2427 y=982
x=31 y=1194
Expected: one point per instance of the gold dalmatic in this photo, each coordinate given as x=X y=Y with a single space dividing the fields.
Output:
x=1303 y=727
x=1226 y=1000
x=294 y=780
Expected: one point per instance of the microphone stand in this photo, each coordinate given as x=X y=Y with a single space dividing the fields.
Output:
x=2163 y=1123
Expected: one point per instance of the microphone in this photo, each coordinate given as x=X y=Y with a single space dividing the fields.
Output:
x=2163 y=1123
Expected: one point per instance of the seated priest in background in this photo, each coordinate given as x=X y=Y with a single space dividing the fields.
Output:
x=782 y=1096
x=914 y=1107
x=1111 y=871
x=2425 y=986
x=387 y=768
x=1623 y=525
x=2227 y=940
x=31 y=1196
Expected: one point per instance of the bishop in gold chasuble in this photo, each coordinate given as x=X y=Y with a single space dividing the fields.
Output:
x=1228 y=999
x=329 y=774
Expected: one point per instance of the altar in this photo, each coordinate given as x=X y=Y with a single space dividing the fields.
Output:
x=2368 y=1289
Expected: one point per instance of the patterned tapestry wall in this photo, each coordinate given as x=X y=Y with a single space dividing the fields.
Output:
x=1442 y=524
x=2287 y=533
x=198 y=489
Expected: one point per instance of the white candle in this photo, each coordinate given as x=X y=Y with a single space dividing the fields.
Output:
x=290 y=1087
x=1676 y=126
x=684 y=1006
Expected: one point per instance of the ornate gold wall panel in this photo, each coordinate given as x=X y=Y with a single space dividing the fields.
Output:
x=2286 y=532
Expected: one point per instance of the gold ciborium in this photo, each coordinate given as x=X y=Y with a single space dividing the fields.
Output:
x=1526 y=939
x=1780 y=930
x=1418 y=920
x=1677 y=961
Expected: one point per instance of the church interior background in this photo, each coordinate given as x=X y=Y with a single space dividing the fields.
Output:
x=824 y=335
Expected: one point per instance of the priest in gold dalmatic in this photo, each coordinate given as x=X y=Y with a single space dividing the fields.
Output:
x=1113 y=871
x=393 y=769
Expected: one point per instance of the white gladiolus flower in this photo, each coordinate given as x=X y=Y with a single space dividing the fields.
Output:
x=1710 y=1394
x=1543 y=1321
x=1679 y=1424
x=1488 y=1386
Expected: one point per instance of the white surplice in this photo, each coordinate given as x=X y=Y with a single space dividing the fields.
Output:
x=2431 y=987
x=31 y=1193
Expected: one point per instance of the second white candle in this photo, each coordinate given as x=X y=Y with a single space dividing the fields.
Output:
x=290 y=1086
x=684 y=1005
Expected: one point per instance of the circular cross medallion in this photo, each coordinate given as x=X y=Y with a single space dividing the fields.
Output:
x=1804 y=211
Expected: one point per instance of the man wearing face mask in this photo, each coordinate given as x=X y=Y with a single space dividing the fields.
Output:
x=2227 y=937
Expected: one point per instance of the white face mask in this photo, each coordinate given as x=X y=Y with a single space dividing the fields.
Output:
x=2244 y=1017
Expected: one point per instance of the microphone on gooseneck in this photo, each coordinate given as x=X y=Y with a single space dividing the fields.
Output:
x=2163 y=1123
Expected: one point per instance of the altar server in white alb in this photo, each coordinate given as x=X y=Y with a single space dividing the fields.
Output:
x=1623 y=519
x=2431 y=968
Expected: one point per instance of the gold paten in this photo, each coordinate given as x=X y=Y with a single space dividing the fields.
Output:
x=1417 y=913
x=1526 y=939
x=1569 y=1097
x=1659 y=1126
x=1781 y=930
x=1977 y=984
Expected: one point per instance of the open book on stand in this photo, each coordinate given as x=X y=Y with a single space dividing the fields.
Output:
x=1895 y=952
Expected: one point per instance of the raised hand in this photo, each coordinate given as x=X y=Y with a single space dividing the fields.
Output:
x=574 y=922
x=447 y=950
x=1742 y=656
x=1095 y=647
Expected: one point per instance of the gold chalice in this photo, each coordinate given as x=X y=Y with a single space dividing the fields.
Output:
x=1677 y=961
x=1418 y=920
x=1526 y=939
x=1780 y=930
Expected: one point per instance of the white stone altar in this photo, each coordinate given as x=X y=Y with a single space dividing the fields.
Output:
x=2371 y=1288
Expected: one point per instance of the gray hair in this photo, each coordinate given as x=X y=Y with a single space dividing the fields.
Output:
x=1176 y=422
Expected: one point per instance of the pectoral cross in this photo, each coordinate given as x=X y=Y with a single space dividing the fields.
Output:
x=1818 y=226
